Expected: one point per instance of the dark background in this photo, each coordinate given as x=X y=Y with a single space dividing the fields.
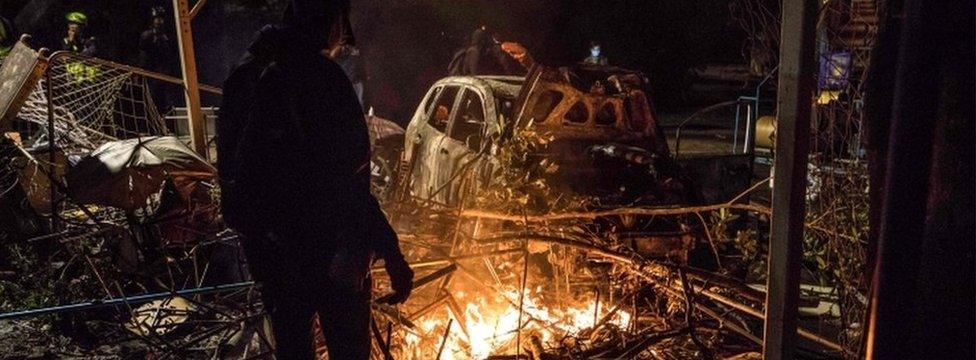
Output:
x=408 y=44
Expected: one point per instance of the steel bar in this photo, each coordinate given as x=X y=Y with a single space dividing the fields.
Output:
x=690 y=317
x=797 y=73
x=656 y=211
x=649 y=340
x=453 y=259
x=648 y=211
x=383 y=345
x=423 y=281
x=722 y=321
x=455 y=308
x=657 y=272
x=197 y=7
x=52 y=146
x=138 y=299
x=761 y=316
x=140 y=71
x=427 y=308
x=447 y=332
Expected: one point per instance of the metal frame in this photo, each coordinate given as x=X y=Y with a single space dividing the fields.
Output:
x=49 y=93
x=797 y=76
x=183 y=15
x=124 y=301
x=751 y=114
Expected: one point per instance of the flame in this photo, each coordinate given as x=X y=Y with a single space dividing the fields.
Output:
x=489 y=325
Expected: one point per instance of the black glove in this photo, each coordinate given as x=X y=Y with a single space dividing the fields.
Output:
x=401 y=277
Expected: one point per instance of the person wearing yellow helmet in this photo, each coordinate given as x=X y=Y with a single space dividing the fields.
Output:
x=8 y=36
x=74 y=39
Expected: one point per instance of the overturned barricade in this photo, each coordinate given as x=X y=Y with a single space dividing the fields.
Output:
x=120 y=235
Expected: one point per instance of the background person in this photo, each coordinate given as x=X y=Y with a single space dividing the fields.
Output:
x=74 y=39
x=596 y=55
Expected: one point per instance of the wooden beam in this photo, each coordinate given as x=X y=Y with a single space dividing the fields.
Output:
x=797 y=76
x=184 y=35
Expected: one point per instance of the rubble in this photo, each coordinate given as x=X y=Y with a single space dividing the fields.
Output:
x=497 y=278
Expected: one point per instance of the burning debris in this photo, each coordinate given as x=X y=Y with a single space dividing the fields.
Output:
x=545 y=217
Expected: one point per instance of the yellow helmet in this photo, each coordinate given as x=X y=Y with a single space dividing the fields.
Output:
x=77 y=18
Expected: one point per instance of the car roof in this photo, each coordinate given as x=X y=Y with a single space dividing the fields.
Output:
x=500 y=86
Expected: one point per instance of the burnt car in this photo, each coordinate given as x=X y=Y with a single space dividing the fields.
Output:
x=606 y=144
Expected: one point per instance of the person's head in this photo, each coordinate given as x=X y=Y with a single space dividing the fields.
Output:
x=318 y=20
x=158 y=15
x=595 y=49
x=76 y=23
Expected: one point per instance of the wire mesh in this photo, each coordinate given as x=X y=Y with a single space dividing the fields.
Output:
x=837 y=190
x=93 y=102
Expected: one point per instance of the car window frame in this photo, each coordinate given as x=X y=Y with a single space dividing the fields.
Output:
x=431 y=99
x=453 y=108
x=484 y=114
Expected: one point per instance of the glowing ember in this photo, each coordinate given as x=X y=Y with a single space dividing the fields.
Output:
x=489 y=325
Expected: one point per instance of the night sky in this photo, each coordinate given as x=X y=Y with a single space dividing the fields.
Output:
x=408 y=43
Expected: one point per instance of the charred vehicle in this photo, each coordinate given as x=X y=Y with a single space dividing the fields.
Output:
x=606 y=145
x=606 y=141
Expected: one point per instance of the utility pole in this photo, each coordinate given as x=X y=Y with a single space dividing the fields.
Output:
x=184 y=34
x=797 y=76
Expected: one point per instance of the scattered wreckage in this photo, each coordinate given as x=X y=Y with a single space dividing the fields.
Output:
x=494 y=280
x=603 y=142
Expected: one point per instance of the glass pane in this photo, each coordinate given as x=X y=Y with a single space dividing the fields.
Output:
x=468 y=126
x=441 y=113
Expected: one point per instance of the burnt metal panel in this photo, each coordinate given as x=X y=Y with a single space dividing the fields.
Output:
x=20 y=72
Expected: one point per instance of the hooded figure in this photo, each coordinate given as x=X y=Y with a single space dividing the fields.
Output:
x=295 y=154
x=158 y=52
x=157 y=47
x=482 y=56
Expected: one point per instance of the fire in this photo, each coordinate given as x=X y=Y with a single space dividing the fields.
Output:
x=489 y=325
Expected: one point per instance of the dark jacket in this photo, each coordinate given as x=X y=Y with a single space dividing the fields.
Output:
x=482 y=57
x=303 y=160
x=158 y=51
x=235 y=111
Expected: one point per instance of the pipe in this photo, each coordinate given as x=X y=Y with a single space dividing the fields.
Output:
x=139 y=299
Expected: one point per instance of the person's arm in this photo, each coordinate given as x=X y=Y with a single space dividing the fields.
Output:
x=472 y=62
x=386 y=245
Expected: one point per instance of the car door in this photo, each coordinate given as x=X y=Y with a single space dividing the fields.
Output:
x=465 y=139
x=427 y=173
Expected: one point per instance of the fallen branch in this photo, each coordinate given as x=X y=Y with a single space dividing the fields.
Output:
x=655 y=211
x=655 y=272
